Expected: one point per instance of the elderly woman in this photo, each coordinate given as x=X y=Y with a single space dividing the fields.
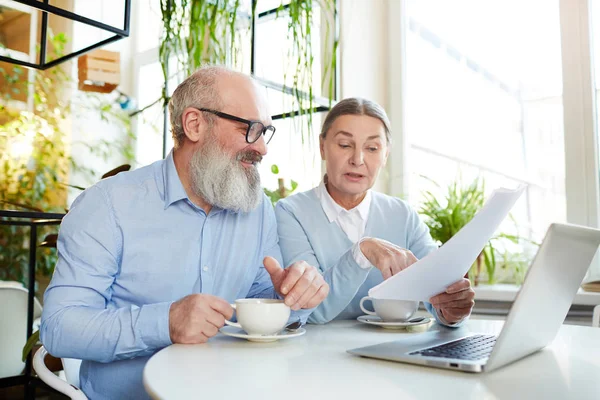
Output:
x=355 y=236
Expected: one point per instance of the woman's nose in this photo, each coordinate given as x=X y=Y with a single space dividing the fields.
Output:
x=357 y=158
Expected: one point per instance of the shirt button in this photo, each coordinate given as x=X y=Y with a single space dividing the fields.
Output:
x=205 y=268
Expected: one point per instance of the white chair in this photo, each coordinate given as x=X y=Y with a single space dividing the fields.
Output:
x=13 y=329
x=11 y=284
x=596 y=316
x=71 y=368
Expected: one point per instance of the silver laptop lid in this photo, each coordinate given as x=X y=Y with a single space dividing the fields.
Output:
x=546 y=296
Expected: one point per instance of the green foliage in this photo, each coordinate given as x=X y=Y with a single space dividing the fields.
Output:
x=282 y=191
x=197 y=32
x=33 y=181
x=461 y=205
x=35 y=159
x=448 y=216
x=300 y=15
x=32 y=341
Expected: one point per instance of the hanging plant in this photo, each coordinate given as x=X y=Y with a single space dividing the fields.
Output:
x=300 y=55
x=199 y=32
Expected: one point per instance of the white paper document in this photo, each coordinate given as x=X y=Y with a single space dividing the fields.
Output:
x=432 y=274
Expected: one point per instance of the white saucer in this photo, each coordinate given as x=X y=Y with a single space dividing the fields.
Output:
x=240 y=333
x=375 y=320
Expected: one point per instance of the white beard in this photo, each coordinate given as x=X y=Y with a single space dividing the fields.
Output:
x=222 y=181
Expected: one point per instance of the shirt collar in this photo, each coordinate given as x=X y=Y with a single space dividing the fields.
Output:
x=174 y=190
x=333 y=209
x=364 y=206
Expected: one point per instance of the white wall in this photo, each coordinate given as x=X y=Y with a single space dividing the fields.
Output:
x=363 y=49
x=367 y=70
x=87 y=126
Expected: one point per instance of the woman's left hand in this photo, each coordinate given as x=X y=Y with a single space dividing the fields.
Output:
x=456 y=303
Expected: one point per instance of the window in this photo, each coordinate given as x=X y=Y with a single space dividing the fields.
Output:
x=484 y=98
x=596 y=58
x=292 y=149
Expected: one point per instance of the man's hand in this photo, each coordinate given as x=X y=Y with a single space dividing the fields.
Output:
x=301 y=285
x=386 y=257
x=197 y=317
x=456 y=303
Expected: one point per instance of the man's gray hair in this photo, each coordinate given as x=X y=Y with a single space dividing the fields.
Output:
x=358 y=106
x=199 y=90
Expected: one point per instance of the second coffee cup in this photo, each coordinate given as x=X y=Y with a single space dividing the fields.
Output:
x=390 y=310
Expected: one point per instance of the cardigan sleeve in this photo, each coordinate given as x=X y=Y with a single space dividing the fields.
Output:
x=345 y=277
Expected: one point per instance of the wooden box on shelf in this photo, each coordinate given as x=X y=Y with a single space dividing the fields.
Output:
x=17 y=40
x=99 y=71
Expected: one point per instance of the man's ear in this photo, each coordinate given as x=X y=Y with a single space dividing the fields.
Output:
x=322 y=147
x=193 y=124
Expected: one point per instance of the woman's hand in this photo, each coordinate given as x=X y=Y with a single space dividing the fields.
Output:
x=386 y=257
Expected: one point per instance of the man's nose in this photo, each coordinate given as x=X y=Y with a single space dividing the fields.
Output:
x=260 y=146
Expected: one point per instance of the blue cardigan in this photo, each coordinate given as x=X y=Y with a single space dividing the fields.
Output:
x=305 y=233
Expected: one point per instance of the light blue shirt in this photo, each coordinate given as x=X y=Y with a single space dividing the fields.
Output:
x=130 y=246
x=305 y=233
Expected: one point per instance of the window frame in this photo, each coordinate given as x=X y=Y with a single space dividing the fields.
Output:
x=582 y=181
x=321 y=104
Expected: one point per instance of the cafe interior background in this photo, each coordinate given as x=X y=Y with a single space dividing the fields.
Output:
x=480 y=95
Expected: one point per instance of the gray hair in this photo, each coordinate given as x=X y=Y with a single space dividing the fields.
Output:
x=199 y=90
x=357 y=106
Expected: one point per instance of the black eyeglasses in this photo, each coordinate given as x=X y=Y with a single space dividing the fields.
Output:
x=255 y=128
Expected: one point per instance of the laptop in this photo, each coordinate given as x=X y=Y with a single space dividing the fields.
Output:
x=532 y=323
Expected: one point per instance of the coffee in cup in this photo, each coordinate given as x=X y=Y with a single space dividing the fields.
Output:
x=260 y=316
x=389 y=309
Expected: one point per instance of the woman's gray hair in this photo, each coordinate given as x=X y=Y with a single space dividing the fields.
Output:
x=199 y=90
x=358 y=106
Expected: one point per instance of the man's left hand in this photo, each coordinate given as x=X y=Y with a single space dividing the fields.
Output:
x=301 y=285
x=456 y=303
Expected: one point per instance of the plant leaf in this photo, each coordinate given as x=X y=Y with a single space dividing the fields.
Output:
x=32 y=341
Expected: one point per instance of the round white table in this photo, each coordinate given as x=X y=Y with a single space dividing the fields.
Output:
x=317 y=366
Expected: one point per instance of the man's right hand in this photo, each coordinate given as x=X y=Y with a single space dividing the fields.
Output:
x=197 y=317
x=386 y=257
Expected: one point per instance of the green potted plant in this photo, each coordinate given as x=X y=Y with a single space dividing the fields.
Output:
x=446 y=216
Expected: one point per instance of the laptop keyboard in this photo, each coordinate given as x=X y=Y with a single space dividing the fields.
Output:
x=474 y=347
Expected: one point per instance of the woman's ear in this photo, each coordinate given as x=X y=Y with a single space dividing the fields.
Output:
x=322 y=147
x=192 y=123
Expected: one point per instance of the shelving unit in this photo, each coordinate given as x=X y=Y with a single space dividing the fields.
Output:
x=18 y=39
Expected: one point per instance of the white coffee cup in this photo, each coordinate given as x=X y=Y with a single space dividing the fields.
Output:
x=260 y=316
x=390 y=310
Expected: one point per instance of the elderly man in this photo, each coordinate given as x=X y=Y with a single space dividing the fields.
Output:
x=154 y=256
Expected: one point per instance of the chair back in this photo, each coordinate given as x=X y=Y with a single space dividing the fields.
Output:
x=13 y=327
x=50 y=379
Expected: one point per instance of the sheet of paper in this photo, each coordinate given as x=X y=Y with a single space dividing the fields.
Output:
x=435 y=272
